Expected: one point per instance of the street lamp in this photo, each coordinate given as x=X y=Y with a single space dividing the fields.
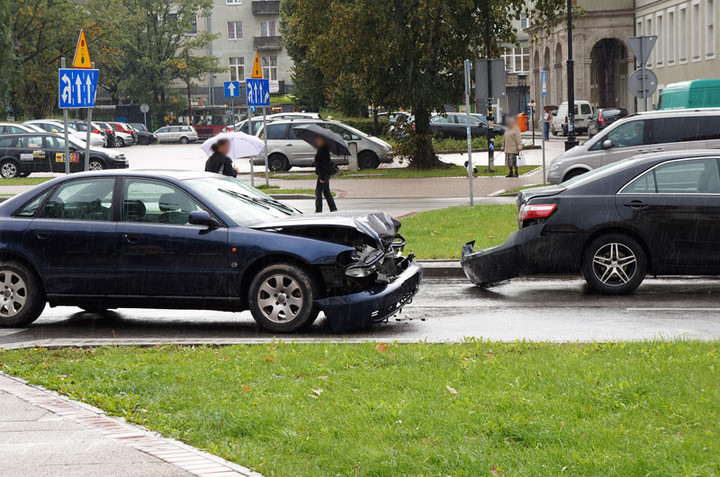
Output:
x=571 y=141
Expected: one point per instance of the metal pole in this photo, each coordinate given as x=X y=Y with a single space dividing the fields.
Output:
x=468 y=131
x=66 y=156
x=642 y=74
x=89 y=131
x=532 y=119
x=571 y=141
x=252 y=167
x=542 y=108
x=267 y=174
x=489 y=105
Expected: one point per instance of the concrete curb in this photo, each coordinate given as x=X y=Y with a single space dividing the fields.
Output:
x=442 y=268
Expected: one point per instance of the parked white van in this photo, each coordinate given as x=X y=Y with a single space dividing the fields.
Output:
x=583 y=113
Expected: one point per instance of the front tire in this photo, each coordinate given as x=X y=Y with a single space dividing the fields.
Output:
x=278 y=162
x=22 y=298
x=9 y=169
x=184 y=140
x=119 y=142
x=368 y=160
x=95 y=165
x=614 y=264
x=143 y=141
x=282 y=297
x=552 y=129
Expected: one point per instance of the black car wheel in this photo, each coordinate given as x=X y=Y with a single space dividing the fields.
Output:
x=21 y=296
x=278 y=162
x=184 y=140
x=143 y=141
x=119 y=142
x=553 y=131
x=614 y=264
x=95 y=165
x=281 y=298
x=574 y=173
x=9 y=169
x=368 y=160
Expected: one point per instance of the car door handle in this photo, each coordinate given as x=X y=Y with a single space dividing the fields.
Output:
x=635 y=204
x=42 y=234
x=288 y=145
x=132 y=238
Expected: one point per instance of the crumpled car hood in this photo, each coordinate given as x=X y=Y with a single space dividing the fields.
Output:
x=378 y=225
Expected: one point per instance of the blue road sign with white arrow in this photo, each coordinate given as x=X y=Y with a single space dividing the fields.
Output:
x=543 y=82
x=258 y=92
x=232 y=89
x=77 y=87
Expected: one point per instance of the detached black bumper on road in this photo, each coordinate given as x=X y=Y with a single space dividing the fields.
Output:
x=360 y=310
x=525 y=252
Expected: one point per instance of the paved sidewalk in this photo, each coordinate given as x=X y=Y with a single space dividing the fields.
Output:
x=44 y=434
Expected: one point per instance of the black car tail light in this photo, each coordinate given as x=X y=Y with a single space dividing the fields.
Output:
x=536 y=211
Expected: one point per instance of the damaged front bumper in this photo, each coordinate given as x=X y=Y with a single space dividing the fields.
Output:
x=360 y=310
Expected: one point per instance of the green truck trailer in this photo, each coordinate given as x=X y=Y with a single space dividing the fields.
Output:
x=704 y=93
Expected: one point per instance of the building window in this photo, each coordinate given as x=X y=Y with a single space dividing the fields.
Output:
x=269 y=67
x=671 y=37
x=517 y=59
x=682 y=34
x=233 y=2
x=695 y=29
x=524 y=21
x=193 y=28
x=235 y=31
x=638 y=27
x=268 y=28
x=710 y=28
x=660 y=45
x=237 y=68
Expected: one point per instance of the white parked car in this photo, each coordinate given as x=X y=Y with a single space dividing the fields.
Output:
x=14 y=128
x=181 y=134
x=54 y=126
x=583 y=113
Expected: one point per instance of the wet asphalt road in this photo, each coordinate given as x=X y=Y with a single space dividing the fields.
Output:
x=543 y=309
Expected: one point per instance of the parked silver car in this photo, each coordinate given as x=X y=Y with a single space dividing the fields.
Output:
x=654 y=131
x=181 y=134
x=285 y=150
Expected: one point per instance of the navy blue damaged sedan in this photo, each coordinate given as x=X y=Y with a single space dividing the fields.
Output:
x=187 y=240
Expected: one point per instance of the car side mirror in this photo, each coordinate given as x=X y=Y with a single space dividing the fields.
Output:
x=201 y=217
x=554 y=113
x=72 y=148
x=607 y=144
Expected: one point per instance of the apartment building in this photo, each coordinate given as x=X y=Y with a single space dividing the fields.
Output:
x=244 y=26
x=687 y=38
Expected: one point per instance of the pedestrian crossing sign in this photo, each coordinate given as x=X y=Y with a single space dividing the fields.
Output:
x=82 y=54
x=257 y=69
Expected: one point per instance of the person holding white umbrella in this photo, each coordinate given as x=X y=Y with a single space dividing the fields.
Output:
x=224 y=147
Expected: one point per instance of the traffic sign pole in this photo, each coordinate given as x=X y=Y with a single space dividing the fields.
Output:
x=468 y=130
x=543 y=82
x=267 y=174
x=65 y=131
x=250 y=129
x=89 y=130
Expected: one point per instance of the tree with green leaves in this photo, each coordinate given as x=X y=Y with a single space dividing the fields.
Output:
x=404 y=53
x=7 y=57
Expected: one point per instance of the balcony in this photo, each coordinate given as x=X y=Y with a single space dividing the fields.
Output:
x=266 y=7
x=268 y=43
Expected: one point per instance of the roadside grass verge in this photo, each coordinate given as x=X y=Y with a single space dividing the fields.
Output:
x=24 y=181
x=277 y=190
x=399 y=173
x=518 y=189
x=477 y=408
x=442 y=233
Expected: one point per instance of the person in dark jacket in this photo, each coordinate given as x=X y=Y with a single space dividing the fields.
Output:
x=219 y=162
x=323 y=169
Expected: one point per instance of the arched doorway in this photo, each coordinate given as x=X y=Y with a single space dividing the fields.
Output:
x=608 y=73
x=546 y=68
x=558 y=96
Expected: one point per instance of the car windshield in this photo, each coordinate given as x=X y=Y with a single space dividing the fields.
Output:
x=591 y=175
x=245 y=205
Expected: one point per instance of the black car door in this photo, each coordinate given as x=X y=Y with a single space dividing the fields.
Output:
x=55 y=150
x=676 y=205
x=72 y=238
x=160 y=254
x=32 y=154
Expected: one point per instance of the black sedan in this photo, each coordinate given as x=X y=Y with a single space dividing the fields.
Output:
x=454 y=125
x=23 y=154
x=101 y=240
x=144 y=137
x=655 y=214
x=604 y=117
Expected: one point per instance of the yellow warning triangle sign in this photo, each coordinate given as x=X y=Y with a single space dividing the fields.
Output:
x=257 y=69
x=82 y=54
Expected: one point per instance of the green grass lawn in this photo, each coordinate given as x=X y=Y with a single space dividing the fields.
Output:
x=470 y=409
x=441 y=233
x=399 y=173
x=275 y=189
x=24 y=181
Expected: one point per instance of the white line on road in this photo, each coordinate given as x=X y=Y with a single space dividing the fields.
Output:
x=671 y=309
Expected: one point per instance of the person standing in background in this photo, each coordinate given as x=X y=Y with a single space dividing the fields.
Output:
x=512 y=146
x=323 y=169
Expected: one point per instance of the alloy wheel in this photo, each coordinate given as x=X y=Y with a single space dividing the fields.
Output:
x=95 y=166
x=14 y=293
x=9 y=170
x=280 y=298
x=614 y=264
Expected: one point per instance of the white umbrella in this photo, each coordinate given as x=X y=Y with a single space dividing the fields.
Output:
x=241 y=144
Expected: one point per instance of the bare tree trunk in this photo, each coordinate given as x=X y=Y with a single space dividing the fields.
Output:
x=424 y=157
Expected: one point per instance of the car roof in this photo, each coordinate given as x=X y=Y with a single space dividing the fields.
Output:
x=677 y=112
x=671 y=155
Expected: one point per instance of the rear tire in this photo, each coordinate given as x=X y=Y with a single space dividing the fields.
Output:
x=614 y=264
x=278 y=162
x=368 y=160
x=184 y=140
x=281 y=298
x=22 y=298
